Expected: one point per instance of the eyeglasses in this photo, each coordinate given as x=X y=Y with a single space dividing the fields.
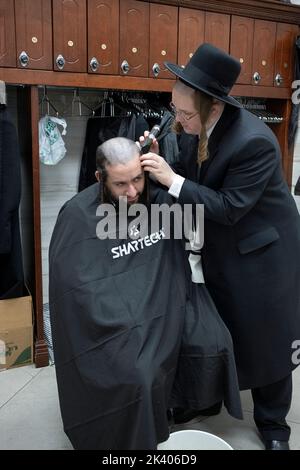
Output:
x=182 y=114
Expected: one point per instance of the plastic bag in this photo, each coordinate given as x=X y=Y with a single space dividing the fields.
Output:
x=52 y=146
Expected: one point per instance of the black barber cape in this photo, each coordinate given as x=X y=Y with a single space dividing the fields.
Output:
x=118 y=309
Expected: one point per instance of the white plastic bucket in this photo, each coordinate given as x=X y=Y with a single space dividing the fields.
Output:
x=192 y=439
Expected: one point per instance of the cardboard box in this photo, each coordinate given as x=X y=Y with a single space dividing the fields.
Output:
x=16 y=332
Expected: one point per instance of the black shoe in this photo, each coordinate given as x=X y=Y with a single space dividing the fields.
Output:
x=277 y=445
x=181 y=415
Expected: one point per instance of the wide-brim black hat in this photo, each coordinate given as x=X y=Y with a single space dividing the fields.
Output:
x=210 y=70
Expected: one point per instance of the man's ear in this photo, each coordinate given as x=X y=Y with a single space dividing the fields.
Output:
x=98 y=175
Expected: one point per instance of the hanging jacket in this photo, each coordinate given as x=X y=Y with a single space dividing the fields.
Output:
x=99 y=129
x=167 y=139
x=11 y=269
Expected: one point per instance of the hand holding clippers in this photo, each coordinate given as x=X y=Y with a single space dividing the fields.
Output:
x=145 y=146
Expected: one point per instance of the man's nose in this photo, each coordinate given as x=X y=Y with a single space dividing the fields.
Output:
x=131 y=191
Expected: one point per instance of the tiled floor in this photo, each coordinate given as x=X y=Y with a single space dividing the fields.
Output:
x=30 y=415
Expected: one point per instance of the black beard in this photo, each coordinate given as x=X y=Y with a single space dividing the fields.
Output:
x=107 y=197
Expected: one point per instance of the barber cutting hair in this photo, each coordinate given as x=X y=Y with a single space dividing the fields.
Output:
x=230 y=161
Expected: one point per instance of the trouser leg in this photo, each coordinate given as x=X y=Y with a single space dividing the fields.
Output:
x=271 y=405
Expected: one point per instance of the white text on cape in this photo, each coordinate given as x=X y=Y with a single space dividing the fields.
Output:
x=137 y=245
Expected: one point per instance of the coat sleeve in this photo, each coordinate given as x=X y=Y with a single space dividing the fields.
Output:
x=247 y=176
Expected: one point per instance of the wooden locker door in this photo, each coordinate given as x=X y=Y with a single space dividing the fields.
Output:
x=217 y=30
x=163 y=39
x=34 y=34
x=134 y=38
x=241 y=46
x=190 y=33
x=69 y=35
x=264 y=52
x=103 y=36
x=7 y=34
x=285 y=54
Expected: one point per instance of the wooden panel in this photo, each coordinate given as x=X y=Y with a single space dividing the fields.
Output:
x=285 y=53
x=69 y=34
x=34 y=33
x=190 y=34
x=134 y=37
x=103 y=35
x=264 y=51
x=163 y=38
x=86 y=80
x=7 y=34
x=217 y=30
x=241 y=44
x=273 y=10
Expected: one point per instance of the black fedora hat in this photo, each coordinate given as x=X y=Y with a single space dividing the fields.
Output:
x=210 y=70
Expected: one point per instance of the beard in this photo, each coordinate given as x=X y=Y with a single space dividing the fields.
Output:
x=107 y=197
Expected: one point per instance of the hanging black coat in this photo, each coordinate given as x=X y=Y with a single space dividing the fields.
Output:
x=11 y=268
x=251 y=249
x=124 y=334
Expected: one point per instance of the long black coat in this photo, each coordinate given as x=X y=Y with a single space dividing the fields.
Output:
x=11 y=267
x=251 y=253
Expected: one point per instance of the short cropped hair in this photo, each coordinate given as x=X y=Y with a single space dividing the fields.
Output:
x=118 y=150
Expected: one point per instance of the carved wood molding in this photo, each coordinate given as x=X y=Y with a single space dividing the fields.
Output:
x=272 y=10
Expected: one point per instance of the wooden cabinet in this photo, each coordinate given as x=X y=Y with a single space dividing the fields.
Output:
x=241 y=46
x=217 y=30
x=284 y=58
x=253 y=44
x=265 y=50
x=103 y=36
x=69 y=35
x=34 y=34
x=196 y=27
x=134 y=38
x=163 y=39
x=191 y=30
x=7 y=36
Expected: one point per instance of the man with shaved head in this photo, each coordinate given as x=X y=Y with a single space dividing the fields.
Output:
x=119 y=307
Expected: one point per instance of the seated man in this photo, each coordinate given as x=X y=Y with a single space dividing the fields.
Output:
x=119 y=317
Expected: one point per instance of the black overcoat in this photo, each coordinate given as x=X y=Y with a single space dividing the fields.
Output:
x=251 y=253
x=11 y=266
